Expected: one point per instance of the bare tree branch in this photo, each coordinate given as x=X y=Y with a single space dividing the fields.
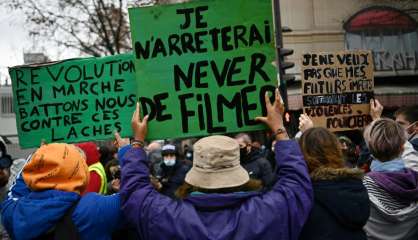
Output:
x=93 y=27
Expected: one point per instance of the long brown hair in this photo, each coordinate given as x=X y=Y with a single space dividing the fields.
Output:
x=321 y=148
x=252 y=185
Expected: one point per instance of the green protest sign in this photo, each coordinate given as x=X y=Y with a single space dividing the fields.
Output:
x=74 y=100
x=203 y=67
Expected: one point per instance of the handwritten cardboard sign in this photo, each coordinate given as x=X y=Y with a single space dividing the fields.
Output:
x=74 y=100
x=337 y=88
x=203 y=67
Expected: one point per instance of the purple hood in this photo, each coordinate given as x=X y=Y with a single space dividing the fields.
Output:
x=214 y=201
x=400 y=184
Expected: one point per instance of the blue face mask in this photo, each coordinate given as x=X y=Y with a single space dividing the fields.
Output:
x=170 y=162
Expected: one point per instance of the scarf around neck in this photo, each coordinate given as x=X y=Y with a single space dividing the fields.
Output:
x=394 y=165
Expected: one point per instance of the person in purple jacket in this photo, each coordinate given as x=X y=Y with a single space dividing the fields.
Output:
x=392 y=186
x=216 y=210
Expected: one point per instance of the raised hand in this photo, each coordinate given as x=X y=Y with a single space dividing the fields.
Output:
x=305 y=122
x=274 y=118
x=376 y=109
x=139 y=127
x=119 y=141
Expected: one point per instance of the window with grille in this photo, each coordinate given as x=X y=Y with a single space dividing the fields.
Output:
x=391 y=34
x=6 y=105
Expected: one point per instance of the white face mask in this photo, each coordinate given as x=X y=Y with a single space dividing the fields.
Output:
x=170 y=161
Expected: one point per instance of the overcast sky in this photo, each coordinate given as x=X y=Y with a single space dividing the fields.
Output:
x=13 y=39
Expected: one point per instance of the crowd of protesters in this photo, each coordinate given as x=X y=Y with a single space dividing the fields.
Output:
x=317 y=186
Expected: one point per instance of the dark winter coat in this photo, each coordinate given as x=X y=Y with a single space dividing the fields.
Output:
x=277 y=214
x=414 y=142
x=172 y=178
x=341 y=206
x=258 y=167
x=28 y=214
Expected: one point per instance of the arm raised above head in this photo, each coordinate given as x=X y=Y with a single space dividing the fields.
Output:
x=291 y=196
x=138 y=196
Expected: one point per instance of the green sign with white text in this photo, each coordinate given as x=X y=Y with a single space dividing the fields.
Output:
x=203 y=67
x=74 y=100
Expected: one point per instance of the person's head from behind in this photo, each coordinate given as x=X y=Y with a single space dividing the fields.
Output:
x=349 y=150
x=112 y=169
x=57 y=166
x=245 y=145
x=385 y=139
x=321 y=149
x=256 y=145
x=91 y=151
x=153 y=151
x=217 y=169
x=407 y=117
x=5 y=163
x=107 y=153
x=153 y=146
x=244 y=141
x=170 y=154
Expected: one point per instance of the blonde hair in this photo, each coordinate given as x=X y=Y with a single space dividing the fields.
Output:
x=385 y=139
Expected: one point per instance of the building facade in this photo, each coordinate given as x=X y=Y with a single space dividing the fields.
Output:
x=8 y=129
x=388 y=28
x=7 y=116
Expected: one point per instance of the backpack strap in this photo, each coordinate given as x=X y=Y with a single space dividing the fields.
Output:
x=65 y=228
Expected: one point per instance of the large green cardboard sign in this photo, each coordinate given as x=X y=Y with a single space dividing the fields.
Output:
x=203 y=67
x=74 y=100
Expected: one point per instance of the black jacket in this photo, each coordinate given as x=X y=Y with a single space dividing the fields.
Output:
x=414 y=142
x=341 y=206
x=259 y=168
x=172 y=177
